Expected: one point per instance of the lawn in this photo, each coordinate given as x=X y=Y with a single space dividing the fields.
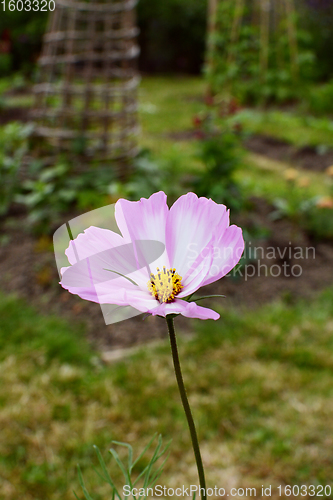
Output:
x=262 y=401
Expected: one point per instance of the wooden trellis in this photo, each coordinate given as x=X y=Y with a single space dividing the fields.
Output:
x=87 y=90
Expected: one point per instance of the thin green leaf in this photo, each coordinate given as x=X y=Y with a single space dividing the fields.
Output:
x=120 y=465
x=152 y=461
x=101 y=475
x=188 y=298
x=76 y=496
x=107 y=477
x=144 y=450
x=84 y=489
x=144 y=471
x=130 y=452
x=158 y=473
x=207 y=297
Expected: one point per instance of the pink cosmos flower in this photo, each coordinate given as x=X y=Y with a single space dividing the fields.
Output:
x=198 y=247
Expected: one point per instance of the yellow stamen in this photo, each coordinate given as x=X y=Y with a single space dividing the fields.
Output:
x=165 y=285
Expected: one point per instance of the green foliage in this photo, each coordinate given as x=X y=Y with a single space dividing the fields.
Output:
x=317 y=19
x=318 y=221
x=237 y=67
x=13 y=146
x=57 y=189
x=147 y=475
x=220 y=156
x=150 y=175
x=219 y=150
x=320 y=99
x=314 y=214
x=295 y=203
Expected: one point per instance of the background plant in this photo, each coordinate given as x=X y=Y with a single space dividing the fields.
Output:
x=55 y=190
x=219 y=149
x=145 y=478
x=254 y=62
x=13 y=147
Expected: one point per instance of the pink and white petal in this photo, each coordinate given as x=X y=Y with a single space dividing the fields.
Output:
x=145 y=220
x=93 y=241
x=227 y=253
x=191 y=224
x=83 y=292
x=199 y=312
x=194 y=278
x=139 y=299
x=119 y=291
x=187 y=309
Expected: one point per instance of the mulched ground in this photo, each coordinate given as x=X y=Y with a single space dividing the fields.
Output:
x=27 y=267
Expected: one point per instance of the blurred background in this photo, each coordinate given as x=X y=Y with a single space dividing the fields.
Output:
x=230 y=99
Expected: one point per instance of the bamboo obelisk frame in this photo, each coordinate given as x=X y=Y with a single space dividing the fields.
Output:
x=87 y=88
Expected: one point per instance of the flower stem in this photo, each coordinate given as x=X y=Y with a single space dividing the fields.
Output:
x=187 y=409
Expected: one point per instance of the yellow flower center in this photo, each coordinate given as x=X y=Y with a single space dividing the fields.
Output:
x=165 y=285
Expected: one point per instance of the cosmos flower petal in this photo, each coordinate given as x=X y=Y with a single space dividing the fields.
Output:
x=119 y=291
x=198 y=272
x=191 y=224
x=135 y=297
x=144 y=219
x=188 y=309
x=94 y=240
x=227 y=253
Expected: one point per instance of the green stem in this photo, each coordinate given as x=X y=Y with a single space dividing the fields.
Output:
x=188 y=413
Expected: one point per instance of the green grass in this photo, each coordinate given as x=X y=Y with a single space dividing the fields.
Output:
x=298 y=129
x=167 y=106
x=260 y=384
